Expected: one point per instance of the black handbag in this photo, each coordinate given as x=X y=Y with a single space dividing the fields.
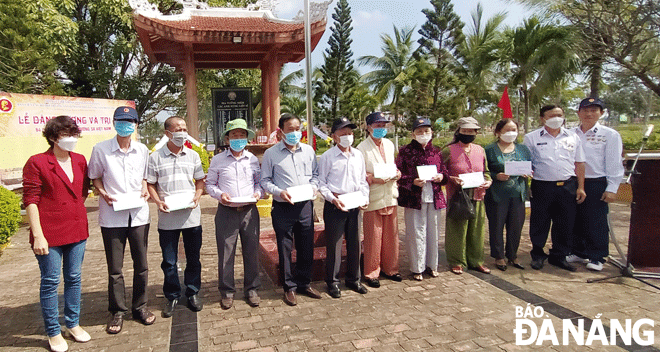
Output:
x=460 y=206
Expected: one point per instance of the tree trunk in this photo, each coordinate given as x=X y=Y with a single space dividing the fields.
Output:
x=596 y=69
x=526 y=100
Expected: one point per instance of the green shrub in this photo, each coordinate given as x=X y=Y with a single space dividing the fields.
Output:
x=632 y=137
x=203 y=155
x=10 y=214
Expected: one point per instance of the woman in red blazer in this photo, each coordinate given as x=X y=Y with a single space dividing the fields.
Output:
x=55 y=186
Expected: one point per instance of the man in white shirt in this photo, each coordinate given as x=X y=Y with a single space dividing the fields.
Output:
x=118 y=168
x=557 y=187
x=342 y=171
x=603 y=173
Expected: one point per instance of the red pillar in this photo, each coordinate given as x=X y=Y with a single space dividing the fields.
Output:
x=192 y=110
x=275 y=69
x=265 y=98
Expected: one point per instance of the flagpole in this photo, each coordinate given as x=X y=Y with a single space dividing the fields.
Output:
x=308 y=75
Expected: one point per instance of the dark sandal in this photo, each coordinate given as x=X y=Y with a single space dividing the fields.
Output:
x=144 y=316
x=116 y=321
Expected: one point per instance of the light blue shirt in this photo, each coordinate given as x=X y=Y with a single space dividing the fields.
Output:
x=282 y=168
x=238 y=177
x=342 y=172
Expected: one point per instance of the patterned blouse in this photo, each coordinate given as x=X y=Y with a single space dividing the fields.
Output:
x=413 y=155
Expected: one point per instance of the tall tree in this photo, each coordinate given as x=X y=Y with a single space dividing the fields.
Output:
x=541 y=55
x=478 y=59
x=392 y=70
x=33 y=37
x=441 y=35
x=337 y=70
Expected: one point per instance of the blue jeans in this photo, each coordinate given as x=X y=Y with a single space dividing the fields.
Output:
x=69 y=258
x=169 y=244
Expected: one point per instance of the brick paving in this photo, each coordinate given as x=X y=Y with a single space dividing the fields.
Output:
x=448 y=313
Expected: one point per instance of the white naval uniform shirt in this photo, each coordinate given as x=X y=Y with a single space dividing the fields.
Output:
x=602 y=148
x=554 y=158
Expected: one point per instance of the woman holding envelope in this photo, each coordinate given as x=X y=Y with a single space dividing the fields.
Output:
x=55 y=186
x=466 y=162
x=505 y=200
x=420 y=193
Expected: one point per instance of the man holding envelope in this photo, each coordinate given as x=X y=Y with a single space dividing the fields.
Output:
x=343 y=184
x=118 y=168
x=379 y=220
x=289 y=172
x=175 y=180
x=233 y=179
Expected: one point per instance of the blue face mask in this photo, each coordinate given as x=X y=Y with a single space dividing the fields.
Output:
x=237 y=144
x=124 y=128
x=379 y=132
x=292 y=138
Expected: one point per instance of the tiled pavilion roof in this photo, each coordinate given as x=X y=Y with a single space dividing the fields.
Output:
x=213 y=36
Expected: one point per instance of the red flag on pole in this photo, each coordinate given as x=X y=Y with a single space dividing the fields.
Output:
x=505 y=104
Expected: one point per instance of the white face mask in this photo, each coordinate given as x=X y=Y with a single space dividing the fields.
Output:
x=346 y=141
x=423 y=139
x=555 y=122
x=178 y=138
x=509 y=137
x=67 y=143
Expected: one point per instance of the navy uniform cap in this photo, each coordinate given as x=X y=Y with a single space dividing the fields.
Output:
x=126 y=113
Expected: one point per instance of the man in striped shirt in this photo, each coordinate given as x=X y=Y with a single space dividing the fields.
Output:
x=176 y=171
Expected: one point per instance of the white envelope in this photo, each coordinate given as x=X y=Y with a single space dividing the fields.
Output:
x=301 y=193
x=129 y=200
x=179 y=201
x=353 y=200
x=472 y=179
x=518 y=168
x=248 y=199
x=427 y=172
x=384 y=171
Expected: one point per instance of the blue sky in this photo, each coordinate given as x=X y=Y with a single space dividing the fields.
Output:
x=371 y=18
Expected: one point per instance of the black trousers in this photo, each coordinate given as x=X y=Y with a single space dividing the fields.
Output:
x=337 y=224
x=509 y=213
x=552 y=203
x=294 y=223
x=114 y=242
x=591 y=228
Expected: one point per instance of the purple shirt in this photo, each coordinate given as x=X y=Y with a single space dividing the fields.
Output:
x=238 y=177
x=413 y=155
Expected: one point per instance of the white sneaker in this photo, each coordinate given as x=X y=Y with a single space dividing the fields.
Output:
x=595 y=266
x=575 y=259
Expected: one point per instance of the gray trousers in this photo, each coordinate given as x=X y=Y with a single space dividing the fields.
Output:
x=229 y=224
x=114 y=241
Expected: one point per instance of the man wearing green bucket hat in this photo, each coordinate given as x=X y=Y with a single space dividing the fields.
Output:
x=234 y=179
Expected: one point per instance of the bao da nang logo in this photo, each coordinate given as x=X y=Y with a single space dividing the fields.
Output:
x=573 y=332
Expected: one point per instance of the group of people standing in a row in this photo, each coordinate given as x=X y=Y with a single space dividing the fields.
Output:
x=575 y=173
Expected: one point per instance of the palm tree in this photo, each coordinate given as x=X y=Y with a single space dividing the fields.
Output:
x=542 y=56
x=392 y=70
x=478 y=52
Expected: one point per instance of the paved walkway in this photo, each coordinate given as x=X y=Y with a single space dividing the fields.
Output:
x=469 y=312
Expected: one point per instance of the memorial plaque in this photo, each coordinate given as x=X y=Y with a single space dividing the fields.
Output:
x=230 y=104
